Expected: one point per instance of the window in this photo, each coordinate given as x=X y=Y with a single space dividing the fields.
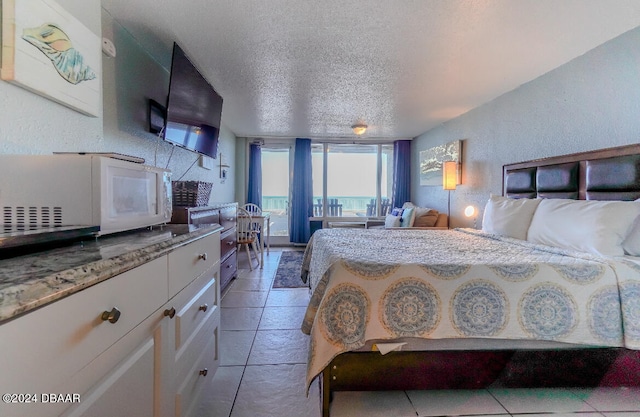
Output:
x=357 y=181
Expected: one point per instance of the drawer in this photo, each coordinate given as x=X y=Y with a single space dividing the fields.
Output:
x=51 y=344
x=203 y=366
x=189 y=352
x=204 y=216
x=228 y=242
x=190 y=261
x=228 y=269
x=228 y=217
x=127 y=390
x=193 y=314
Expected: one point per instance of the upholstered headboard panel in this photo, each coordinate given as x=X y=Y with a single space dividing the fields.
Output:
x=607 y=174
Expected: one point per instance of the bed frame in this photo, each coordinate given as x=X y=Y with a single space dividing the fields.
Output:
x=607 y=174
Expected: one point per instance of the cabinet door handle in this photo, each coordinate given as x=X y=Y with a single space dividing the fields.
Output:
x=203 y=307
x=170 y=312
x=204 y=372
x=203 y=256
x=111 y=316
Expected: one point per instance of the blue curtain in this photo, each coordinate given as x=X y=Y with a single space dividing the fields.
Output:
x=254 y=192
x=301 y=193
x=401 y=172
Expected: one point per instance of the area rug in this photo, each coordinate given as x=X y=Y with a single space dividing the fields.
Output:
x=288 y=273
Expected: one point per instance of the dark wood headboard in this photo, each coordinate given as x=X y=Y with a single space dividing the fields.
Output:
x=605 y=174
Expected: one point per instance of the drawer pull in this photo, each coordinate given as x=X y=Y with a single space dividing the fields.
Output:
x=231 y=243
x=170 y=312
x=228 y=266
x=204 y=372
x=203 y=307
x=111 y=316
x=203 y=256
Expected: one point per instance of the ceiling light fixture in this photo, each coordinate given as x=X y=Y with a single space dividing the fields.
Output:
x=359 y=128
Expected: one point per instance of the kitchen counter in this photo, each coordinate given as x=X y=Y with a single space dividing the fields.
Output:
x=33 y=280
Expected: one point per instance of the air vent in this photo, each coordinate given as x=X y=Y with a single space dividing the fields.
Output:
x=32 y=216
x=19 y=216
x=6 y=215
x=57 y=216
x=46 y=216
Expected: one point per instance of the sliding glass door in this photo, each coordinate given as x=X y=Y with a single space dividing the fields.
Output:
x=276 y=175
x=349 y=181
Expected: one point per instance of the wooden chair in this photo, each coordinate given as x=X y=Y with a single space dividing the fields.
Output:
x=253 y=209
x=247 y=235
x=317 y=208
x=334 y=208
x=385 y=206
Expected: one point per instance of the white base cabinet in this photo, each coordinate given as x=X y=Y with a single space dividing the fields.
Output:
x=141 y=343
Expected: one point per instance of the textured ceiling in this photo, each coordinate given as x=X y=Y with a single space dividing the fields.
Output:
x=302 y=68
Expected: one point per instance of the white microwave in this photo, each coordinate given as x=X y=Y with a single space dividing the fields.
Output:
x=83 y=190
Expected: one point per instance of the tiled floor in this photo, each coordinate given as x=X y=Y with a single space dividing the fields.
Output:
x=262 y=372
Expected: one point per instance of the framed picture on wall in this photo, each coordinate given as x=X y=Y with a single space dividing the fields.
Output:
x=432 y=158
x=49 y=52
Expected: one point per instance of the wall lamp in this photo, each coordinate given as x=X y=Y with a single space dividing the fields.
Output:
x=470 y=211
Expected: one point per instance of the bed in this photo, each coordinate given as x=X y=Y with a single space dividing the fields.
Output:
x=465 y=308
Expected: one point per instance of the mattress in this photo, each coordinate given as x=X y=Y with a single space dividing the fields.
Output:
x=460 y=286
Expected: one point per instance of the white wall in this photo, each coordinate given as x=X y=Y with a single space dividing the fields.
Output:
x=589 y=103
x=31 y=124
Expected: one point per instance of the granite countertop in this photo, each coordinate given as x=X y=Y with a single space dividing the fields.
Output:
x=33 y=280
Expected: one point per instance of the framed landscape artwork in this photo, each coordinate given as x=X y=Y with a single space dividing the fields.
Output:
x=49 y=52
x=432 y=158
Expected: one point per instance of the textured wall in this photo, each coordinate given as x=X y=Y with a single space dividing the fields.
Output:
x=31 y=124
x=592 y=102
x=131 y=79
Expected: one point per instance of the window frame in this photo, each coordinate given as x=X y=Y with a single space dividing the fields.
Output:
x=379 y=166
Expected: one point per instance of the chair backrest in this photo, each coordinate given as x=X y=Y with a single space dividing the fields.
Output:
x=253 y=209
x=371 y=207
x=244 y=225
x=385 y=206
x=333 y=207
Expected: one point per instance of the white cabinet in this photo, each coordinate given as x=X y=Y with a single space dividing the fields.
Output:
x=125 y=346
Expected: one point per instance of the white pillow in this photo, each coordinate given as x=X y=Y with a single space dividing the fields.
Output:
x=392 y=221
x=597 y=227
x=631 y=244
x=508 y=216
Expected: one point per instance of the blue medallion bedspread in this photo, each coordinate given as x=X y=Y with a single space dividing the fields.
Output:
x=386 y=284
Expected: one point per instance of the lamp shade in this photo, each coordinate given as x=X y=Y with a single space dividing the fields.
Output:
x=449 y=175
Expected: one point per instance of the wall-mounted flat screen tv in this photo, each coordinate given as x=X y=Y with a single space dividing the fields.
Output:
x=194 y=109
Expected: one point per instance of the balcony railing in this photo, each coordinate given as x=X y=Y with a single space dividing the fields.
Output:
x=349 y=206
